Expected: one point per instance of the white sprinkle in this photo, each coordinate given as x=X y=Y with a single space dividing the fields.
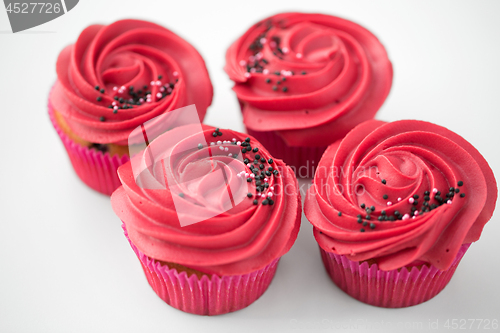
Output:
x=246 y=74
x=158 y=83
x=158 y=95
x=249 y=165
x=243 y=63
x=416 y=213
x=448 y=202
x=115 y=108
x=175 y=74
x=389 y=203
x=219 y=142
x=221 y=148
x=238 y=175
x=234 y=139
x=123 y=88
x=252 y=175
x=230 y=155
x=272 y=44
x=269 y=195
x=399 y=199
x=413 y=217
x=272 y=188
x=162 y=89
x=299 y=55
x=411 y=200
x=263 y=40
x=114 y=103
x=212 y=143
x=285 y=50
x=406 y=216
x=247 y=174
x=226 y=149
x=265 y=71
x=265 y=179
x=152 y=83
x=259 y=56
x=169 y=90
x=252 y=70
x=434 y=190
x=238 y=143
x=115 y=88
x=141 y=100
x=251 y=58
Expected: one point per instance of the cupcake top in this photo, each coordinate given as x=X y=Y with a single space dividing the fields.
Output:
x=311 y=77
x=116 y=77
x=400 y=193
x=211 y=200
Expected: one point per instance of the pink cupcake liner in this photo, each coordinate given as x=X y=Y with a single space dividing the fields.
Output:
x=388 y=289
x=205 y=296
x=303 y=160
x=96 y=169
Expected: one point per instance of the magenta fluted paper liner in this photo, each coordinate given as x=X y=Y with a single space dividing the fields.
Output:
x=388 y=289
x=205 y=296
x=303 y=160
x=95 y=169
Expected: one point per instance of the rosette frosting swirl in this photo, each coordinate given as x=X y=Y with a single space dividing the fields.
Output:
x=117 y=77
x=310 y=77
x=243 y=216
x=401 y=193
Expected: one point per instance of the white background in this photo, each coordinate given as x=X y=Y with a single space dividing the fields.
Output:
x=65 y=265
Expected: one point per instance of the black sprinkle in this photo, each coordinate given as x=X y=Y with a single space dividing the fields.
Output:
x=415 y=196
x=96 y=87
x=362 y=205
x=200 y=146
x=257 y=157
x=372 y=208
x=247 y=139
x=256 y=202
x=365 y=224
x=271 y=202
x=103 y=119
x=384 y=181
x=360 y=220
x=462 y=195
x=265 y=202
x=383 y=212
x=270 y=161
x=275 y=88
x=340 y=214
x=99 y=98
x=181 y=195
x=249 y=195
x=285 y=89
x=249 y=179
x=460 y=183
x=457 y=190
x=385 y=196
x=372 y=225
x=362 y=230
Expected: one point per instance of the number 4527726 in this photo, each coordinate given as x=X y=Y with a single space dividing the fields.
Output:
x=33 y=7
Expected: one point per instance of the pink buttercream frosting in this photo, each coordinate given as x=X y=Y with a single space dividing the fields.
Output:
x=333 y=74
x=391 y=166
x=124 y=54
x=241 y=238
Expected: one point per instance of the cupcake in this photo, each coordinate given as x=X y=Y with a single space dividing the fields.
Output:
x=394 y=208
x=111 y=81
x=209 y=213
x=304 y=80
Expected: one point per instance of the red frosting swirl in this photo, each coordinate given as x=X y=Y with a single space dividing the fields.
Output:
x=125 y=54
x=244 y=236
x=391 y=166
x=332 y=75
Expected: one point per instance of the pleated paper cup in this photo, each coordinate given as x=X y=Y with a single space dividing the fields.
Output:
x=207 y=295
x=398 y=288
x=96 y=169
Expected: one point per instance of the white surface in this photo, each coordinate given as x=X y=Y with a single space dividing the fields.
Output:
x=65 y=265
